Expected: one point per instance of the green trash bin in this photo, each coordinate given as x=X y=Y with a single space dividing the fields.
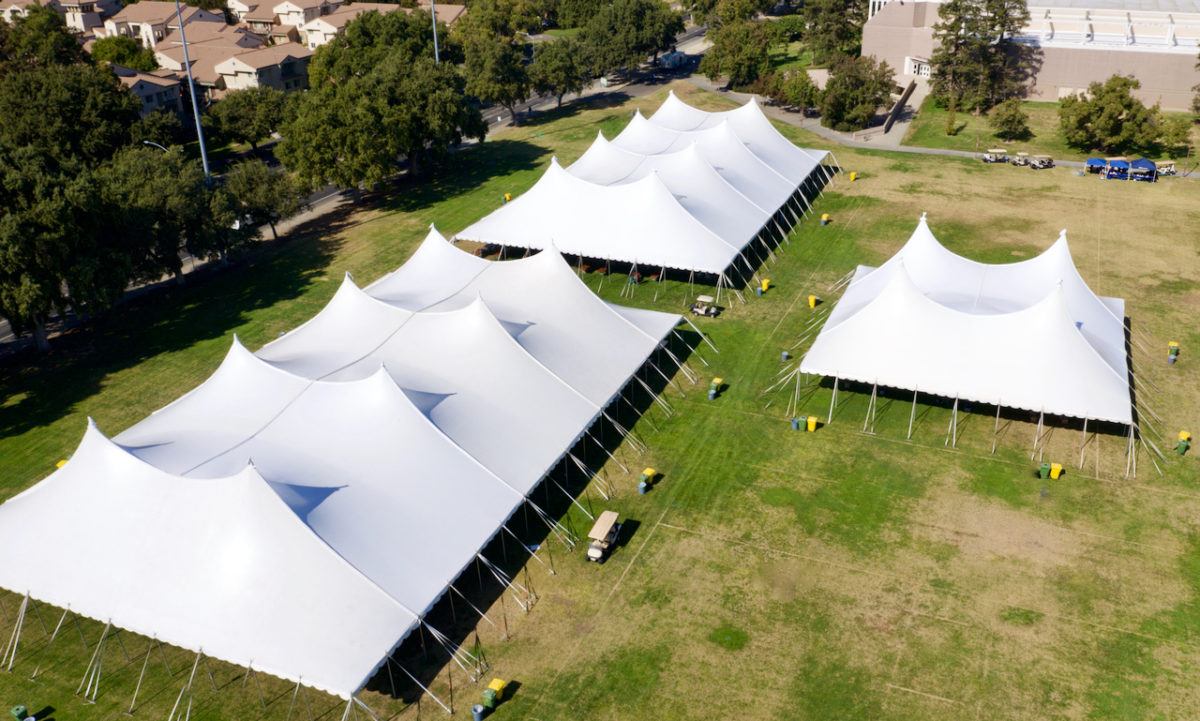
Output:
x=1044 y=471
x=19 y=713
x=489 y=698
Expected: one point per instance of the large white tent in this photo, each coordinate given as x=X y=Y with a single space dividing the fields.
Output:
x=666 y=197
x=214 y=564
x=1028 y=335
x=304 y=507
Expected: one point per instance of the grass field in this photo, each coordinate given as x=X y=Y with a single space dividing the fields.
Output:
x=975 y=134
x=770 y=574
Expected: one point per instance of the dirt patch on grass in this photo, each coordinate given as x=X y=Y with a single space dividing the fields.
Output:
x=983 y=530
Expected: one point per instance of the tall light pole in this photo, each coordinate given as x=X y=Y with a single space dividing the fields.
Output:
x=187 y=65
x=151 y=142
x=432 y=11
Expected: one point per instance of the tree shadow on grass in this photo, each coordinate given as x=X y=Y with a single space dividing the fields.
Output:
x=40 y=388
x=572 y=108
x=463 y=172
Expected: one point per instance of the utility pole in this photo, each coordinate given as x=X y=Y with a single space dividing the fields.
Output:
x=187 y=65
x=432 y=11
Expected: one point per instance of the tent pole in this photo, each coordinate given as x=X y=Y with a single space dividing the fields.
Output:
x=208 y=668
x=912 y=416
x=427 y=691
x=473 y=606
x=162 y=652
x=833 y=400
x=186 y=686
x=870 y=408
x=141 y=675
x=90 y=672
x=116 y=635
x=346 y=713
x=702 y=336
x=996 y=429
x=293 y=704
x=45 y=630
x=1082 y=443
x=52 y=637
x=10 y=651
x=1037 y=435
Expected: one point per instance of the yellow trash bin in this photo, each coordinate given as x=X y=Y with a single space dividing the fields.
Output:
x=824 y=218
x=812 y=301
x=853 y=177
x=766 y=283
x=812 y=424
x=1055 y=470
x=498 y=686
x=1185 y=436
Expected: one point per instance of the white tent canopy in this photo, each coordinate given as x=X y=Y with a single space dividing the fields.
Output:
x=982 y=288
x=540 y=301
x=698 y=187
x=639 y=222
x=1005 y=335
x=215 y=564
x=751 y=126
x=304 y=507
x=688 y=193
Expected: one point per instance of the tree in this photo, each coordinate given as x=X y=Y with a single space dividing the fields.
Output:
x=798 y=90
x=371 y=37
x=739 y=51
x=250 y=114
x=495 y=73
x=1109 y=118
x=1009 y=121
x=124 y=51
x=1176 y=137
x=975 y=62
x=854 y=92
x=834 y=26
x=165 y=194
x=559 y=67
x=161 y=126
x=41 y=39
x=351 y=133
x=496 y=19
x=263 y=195
x=622 y=34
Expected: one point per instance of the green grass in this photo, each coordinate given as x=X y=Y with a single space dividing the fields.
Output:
x=792 y=56
x=563 y=32
x=859 y=574
x=975 y=133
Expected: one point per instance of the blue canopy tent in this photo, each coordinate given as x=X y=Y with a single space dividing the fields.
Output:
x=1095 y=165
x=1116 y=169
x=1144 y=170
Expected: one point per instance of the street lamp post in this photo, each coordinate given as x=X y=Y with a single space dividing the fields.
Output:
x=187 y=65
x=151 y=142
x=432 y=11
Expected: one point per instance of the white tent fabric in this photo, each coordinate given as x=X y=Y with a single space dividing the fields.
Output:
x=981 y=288
x=1006 y=335
x=608 y=161
x=752 y=127
x=303 y=508
x=216 y=564
x=699 y=188
x=639 y=222
x=662 y=193
x=376 y=477
x=474 y=382
x=540 y=301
